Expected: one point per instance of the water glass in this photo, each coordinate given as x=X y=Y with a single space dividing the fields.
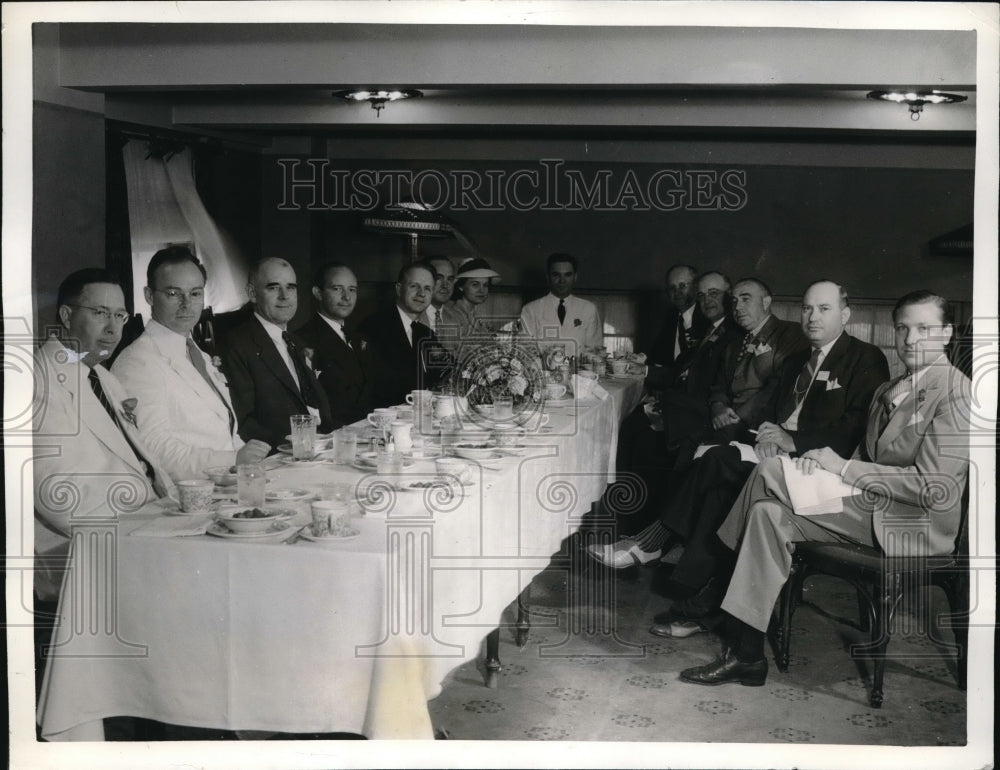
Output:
x=250 y=481
x=345 y=446
x=503 y=408
x=303 y=436
x=388 y=463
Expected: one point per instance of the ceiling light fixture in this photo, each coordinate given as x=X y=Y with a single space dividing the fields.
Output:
x=917 y=99
x=377 y=98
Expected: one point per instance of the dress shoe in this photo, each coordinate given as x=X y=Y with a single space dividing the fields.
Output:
x=727 y=669
x=677 y=629
x=624 y=553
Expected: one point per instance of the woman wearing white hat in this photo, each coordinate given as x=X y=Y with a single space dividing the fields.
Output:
x=472 y=287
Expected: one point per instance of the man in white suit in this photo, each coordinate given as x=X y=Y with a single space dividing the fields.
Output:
x=560 y=316
x=90 y=460
x=185 y=412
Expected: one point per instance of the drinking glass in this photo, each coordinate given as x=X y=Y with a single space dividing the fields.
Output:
x=388 y=463
x=503 y=408
x=303 y=436
x=250 y=481
x=345 y=444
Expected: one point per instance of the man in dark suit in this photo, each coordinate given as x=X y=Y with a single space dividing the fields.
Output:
x=822 y=399
x=341 y=359
x=407 y=354
x=269 y=377
x=745 y=375
x=684 y=324
x=904 y=489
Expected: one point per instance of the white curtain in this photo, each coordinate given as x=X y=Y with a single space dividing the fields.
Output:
x=163 y=209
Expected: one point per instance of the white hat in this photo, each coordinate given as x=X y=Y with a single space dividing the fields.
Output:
x=474 y=267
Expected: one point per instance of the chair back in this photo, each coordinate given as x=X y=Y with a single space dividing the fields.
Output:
x=203 y=332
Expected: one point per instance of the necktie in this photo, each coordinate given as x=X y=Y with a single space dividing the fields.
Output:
x=889 y=397
x=805 y=377
x=561 y=311
x=95 y=384
x=302 y=371
x=744 y=347
x=198 y=361
x=437 y=317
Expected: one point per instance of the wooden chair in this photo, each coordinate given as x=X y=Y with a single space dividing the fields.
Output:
x=880 y=581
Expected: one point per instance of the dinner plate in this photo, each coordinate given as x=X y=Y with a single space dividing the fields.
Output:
x=367 y=461
x=425 y=453
x=305 y=463
x=306 y=534
x=625 y=376
x=564 y=401
x=288 y=495
x=280 y=530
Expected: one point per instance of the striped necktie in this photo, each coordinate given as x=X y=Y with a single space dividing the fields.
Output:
x=95 y=384
x=805 y=377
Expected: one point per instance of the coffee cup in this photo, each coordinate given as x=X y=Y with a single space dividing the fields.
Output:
x=453 y=467
x=619 y=366
x=382 y=417
x=554 y=390
x=418 y=397
x=195 y=494
x=330 y=516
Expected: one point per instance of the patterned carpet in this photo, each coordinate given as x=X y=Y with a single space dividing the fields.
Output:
x=621 y=683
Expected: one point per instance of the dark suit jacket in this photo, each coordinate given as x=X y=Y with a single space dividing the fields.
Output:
x=831 y=416
x=400 y=367
x=684 y=405
x=347 y=374
x=662 y=352
x=747 y=383
x=263 y=391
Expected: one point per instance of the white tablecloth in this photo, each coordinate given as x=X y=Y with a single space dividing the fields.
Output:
x=353 y=637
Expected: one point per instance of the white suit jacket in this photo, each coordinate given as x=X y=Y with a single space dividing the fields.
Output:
x=83 y=465
x=180 y=417
x=582 y=326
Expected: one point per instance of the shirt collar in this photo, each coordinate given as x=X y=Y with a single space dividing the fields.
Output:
x=404 y=316
x=337 y=326
x=274 y=331
x=760 y=326
x=688 y=316
x=825 y=350
x=555 y=299
x=167 y=340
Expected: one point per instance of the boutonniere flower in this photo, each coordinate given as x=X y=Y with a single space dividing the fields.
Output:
x=128 y=410
x=761 y=349
x=577 y=322
x=217 y=362
x=364 y=344
x=308 y=353
x=921 y=396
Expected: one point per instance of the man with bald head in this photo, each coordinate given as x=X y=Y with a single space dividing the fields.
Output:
x=821 y=399
x=269 y=376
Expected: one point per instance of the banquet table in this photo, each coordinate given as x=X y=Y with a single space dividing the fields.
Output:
x=354 y=636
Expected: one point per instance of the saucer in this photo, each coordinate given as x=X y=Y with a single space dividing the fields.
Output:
x=328 y=539
x=564 y=401
x=288 y=495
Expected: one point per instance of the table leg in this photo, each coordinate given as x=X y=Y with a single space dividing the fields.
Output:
x=523 y=617
x=493 y=666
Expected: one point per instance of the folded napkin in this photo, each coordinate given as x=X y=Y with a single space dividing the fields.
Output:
x=174 y=526
x=586 y=388
x=819 y=492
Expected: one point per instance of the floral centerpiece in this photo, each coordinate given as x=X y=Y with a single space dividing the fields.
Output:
x=502 y=365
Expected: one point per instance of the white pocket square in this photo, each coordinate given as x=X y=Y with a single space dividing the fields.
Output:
x=833 y=384
x=761 y=349
x=823 y=376
x=917 y=418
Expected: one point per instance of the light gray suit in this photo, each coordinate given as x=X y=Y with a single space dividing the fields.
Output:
x=83 y=466
x=910 y=473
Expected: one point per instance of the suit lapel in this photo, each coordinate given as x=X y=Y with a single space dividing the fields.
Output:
x=197 y=384
x=912 y=408
x=97 y=419
x=271 y=359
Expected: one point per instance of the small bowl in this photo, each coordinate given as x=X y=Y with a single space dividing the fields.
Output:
x=475 y=451
x=236 y=523
x=223 y=475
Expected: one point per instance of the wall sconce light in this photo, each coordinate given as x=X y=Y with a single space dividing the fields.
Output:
x=917 y=99
x=378 y=98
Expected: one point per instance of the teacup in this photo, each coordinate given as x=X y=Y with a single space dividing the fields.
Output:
x=330 y=516
x=508 y=435
x=382 y=417
x=418 y=397
x=587 y=375
x=454 y=468
x=554 y=390
x=195 y=494
x=619 y=366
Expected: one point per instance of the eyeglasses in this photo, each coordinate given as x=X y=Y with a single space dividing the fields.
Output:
x=176 y=295
x=710 y=294
x=106 y=315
